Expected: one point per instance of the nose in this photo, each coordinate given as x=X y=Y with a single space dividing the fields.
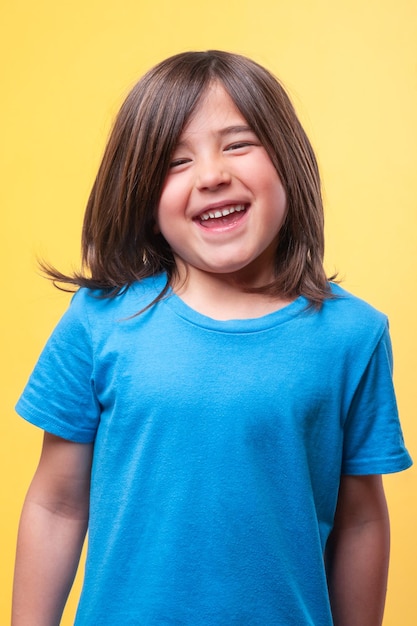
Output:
x=212 y=173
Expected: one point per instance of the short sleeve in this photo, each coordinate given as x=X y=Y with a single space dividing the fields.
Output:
x=59 y=396
x=373 y=440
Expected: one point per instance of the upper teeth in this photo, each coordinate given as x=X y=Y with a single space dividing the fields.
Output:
x=222 y=212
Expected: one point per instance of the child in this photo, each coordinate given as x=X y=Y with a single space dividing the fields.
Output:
x=215 y=410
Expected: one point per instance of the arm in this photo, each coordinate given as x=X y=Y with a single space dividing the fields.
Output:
x=357 y=553
x=51 y=533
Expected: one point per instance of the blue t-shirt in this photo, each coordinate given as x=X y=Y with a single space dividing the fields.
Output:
x=219 y=447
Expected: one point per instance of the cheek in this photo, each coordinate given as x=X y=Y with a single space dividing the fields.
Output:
x=168 y=220
x=172 y=199
x=278 y=210
x=276 y=198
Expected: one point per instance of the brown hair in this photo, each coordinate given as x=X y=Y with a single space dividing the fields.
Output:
x=119 y=242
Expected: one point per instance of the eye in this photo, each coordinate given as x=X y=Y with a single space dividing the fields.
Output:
x=178 y=162
x=246 y=141
x=239 y=145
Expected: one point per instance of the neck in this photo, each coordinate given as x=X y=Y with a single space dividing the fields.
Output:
x=223 y=297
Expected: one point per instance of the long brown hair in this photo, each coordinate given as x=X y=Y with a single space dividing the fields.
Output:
x=120 y=244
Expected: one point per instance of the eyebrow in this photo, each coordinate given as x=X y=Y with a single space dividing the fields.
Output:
x=223 y=132
x=231 y=130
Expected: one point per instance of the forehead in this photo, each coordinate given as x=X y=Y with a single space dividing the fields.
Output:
x=215 y=111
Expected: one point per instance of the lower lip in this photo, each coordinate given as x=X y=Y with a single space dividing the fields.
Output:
x=222 y=224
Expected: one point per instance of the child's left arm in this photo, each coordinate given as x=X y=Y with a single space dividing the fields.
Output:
x=357 y=553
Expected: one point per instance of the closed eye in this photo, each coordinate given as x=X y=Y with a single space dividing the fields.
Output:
x=240 y=145
x=178 y=162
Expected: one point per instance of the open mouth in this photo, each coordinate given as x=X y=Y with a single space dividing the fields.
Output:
x=224 y=216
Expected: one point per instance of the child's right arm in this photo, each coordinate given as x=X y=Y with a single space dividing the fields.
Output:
x=51 y=534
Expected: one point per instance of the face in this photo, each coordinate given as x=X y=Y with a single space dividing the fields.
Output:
x=222 y=203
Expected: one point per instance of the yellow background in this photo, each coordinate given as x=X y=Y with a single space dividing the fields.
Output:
x=351 y=68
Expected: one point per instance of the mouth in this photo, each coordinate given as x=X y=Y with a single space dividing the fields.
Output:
x=224 y=216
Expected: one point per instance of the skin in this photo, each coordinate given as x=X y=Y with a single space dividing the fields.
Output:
x=51 y=533
x=219 y=163
x=357 y=553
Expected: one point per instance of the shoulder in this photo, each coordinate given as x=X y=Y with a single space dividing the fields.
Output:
x=96 y=302
x=349 y=301
x=346 y=309
x=349 y=324
x=94 y=313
